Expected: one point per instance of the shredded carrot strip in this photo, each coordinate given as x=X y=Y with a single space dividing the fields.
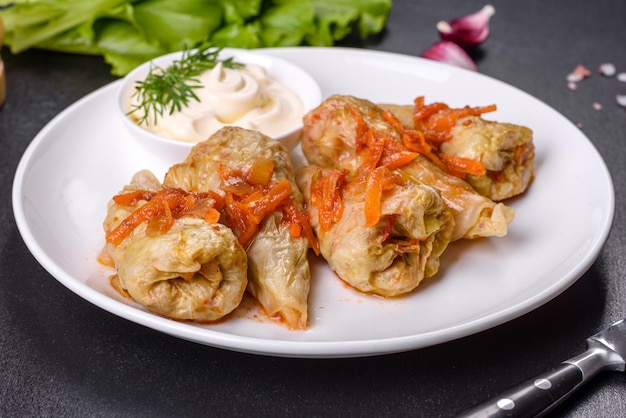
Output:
x=445 y=120
x=422 y=111
x=270 y=201
x=373 y=197
x=239 y=221
x=252 y=197
x=418 y=102
x=437 y=119
x=212 y=216
x=381 y=154
x=360 y=129
x=374 y=150
x=299 y=225
x=207 y=209
x=332 y=204
x=416 y=143
x=326 y=196
x=247 y=214
x=392 y=119
x=160 y=210
x=124 y=229
x=398 y=159
x=412 y=139
x=131 y=198
x=463 y=165
x=249 y=198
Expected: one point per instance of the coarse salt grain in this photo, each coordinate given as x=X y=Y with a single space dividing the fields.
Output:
x=574 y=77
x=621 y=99
x=621 y=77
x=597 y=106
x=607 y=69
x=572 y=86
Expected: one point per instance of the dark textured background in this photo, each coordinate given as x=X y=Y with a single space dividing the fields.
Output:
x=62 y=356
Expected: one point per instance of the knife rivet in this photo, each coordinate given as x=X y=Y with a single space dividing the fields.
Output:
x=506 y=404
x=543 y=384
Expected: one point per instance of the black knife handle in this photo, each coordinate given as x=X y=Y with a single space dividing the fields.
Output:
x=531 y=398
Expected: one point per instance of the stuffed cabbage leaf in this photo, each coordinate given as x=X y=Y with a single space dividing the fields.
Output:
x=331 y=138
x=194 y=270
x=279 y=276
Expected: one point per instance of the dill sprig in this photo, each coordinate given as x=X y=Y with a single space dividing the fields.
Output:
x=170 y=89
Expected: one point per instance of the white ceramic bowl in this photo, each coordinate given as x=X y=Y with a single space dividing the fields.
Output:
x=293 y=77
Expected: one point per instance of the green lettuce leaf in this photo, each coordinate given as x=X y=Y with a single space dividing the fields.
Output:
x=287 y=23
x=177 y=24
x=124 y=47
x=69 y=15
x=241 y=11
x=238 y=36
x=338 y=18
x=129 y=32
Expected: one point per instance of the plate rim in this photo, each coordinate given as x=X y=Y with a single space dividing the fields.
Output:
x=305 y=349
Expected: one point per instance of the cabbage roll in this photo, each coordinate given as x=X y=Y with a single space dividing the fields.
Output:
x=194 y=270
x=279 y=275
x=391 y=257
x=330 y=139
x=506 y=151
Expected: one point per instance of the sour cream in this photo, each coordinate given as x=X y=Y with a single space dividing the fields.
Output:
x=244 y=97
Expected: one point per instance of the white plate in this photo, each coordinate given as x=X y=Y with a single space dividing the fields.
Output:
x=83 y=157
